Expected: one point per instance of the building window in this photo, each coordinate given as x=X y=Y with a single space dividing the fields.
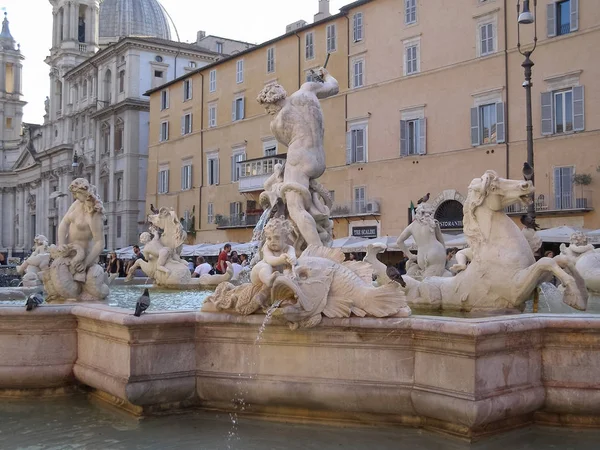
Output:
x=119 y=132
x=235 y=168
x=84 y=90
x=105 y=132
x=487 y=124
x=331 y=38
x=310 y=76
x=186 y=176
x=410 y=11
x=309 y=40
x=360 y=200
x=193 y=64
x=270 y=148
x=239 y=75
x=562 y=17
x=486 y=36
x=219 y=47
x=212 y=115
x=158 y=58
x=412 y=137
x=359 y=70
x=186 y=124
x=164 y=100
x=237 y=112
x=563 y=111
x=212 y=83
x=119 y=226
x=163 y=181
x=122 y=81
x=158 y=74
x=358 y=27
x=212 y=168
x=411 y=59
x=271 y=60
x=563 y=187
x=187 y=90
x=235 y=212
x=210 y=216
x=356 y=145
x=119 y=187
x=164 y=131
x=9 y=123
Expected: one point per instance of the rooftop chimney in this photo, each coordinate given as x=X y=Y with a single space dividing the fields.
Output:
x=323 y=10
x=200 y=35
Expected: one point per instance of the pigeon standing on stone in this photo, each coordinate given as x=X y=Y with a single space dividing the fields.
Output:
x=34 y=300
x=153 y=209
x=527 y=171
x=394 y=275
x=142 y=304
x=529 y=222
x=423 y=199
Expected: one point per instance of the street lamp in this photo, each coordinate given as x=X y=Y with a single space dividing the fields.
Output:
x=525 y=17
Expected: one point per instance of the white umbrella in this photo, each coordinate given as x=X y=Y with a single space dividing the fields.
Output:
x=248 y=247
x=345 y=241
x=125 y=252
x=460 y=240
x=559 y=234
x=594 y=237
x=388 y=241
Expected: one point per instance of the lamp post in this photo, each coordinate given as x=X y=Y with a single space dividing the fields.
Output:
x=525 y=17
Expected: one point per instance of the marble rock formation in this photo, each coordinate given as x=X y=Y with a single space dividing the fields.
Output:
x=74 y=273
x=502 y=273
x=162 y=250
x=36 y=262
x=586 y=259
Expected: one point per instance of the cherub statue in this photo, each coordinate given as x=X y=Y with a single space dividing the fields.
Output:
x=277 y=255
x=577 y=247
x=38 y=260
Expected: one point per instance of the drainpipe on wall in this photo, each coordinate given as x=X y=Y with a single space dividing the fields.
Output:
x=199 y=226
x=299 y=61
x=348 y=55
x=506 y=107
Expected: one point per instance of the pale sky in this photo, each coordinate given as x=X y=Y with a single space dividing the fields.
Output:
x=253 y=21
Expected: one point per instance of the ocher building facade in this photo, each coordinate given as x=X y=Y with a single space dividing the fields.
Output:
x=430 y=97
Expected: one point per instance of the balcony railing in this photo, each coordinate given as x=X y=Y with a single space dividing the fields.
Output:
x=369 y=207
x=254 y=172
x=576 y=201
x=564 y=29
x=83 y=48
x=238 y=221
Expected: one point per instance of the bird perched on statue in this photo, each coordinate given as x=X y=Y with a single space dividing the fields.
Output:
x=423 y=199
x=153 y=209
x=529 y=222
x=142 y=304
x=394 y=275
x=34 y=300
x=527 y=171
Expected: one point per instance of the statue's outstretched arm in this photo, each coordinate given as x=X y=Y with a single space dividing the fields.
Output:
x=326 y=89
x=403 y=237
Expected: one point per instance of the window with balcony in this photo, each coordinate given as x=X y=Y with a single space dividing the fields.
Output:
x=163 y=181
x=410 y=11
x=238 y=107
x=563 y=111
x=562 y=17
x=487 y=124
x=271 y=60
x=357 y=22
x=358 y=80
x=270 y=148
x=413 y=137
x=236 y=168
x=331 y=38
x=411 y=59
x=164 y=99
x=187 y=90
x=356 y=144
x=186 y=176
x=239 y=74
x=164 y=131
x=563 y=187
x=212 y=168
x=210 y=215
x=486 y=39
x=212 y=115
x=186 y=124
x=360 y=200
x=309 y=44
x=212 y=80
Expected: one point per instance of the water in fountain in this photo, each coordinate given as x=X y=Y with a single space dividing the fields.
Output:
x=551 y=300
x=260 y=225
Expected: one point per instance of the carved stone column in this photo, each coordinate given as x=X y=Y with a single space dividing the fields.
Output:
x=66 y=21
x=2 y=217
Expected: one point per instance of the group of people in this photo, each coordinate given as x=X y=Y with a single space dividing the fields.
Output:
x=239 y=263
x=115 y=265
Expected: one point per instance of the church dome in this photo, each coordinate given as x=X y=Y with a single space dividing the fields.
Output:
x=120 y=18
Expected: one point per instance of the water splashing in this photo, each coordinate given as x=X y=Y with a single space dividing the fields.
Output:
x=260 y=225
x=551 y=300
x=268 y=317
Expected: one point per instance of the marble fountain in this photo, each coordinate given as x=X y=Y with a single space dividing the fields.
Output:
x=334 y=345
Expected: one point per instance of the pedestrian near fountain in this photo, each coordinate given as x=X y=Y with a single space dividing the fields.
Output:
x=237 y=267
x=223 y=258
x=113 y=265
x=2 y=259
x=202 y=267
x=244 y=260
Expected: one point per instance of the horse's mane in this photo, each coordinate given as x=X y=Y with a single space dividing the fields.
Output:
x=478 y=191
x=171 y=225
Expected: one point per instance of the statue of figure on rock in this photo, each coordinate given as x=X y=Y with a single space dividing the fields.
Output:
x=36 y=262
x=74 y=273
x=586 y=259
x=431 y=254
x=298 y=124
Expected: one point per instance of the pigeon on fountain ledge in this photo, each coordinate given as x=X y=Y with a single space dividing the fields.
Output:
x=34 y=300
x=142 y=304
x=394 y=275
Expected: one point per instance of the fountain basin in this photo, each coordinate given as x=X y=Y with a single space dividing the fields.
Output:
x=468 y=377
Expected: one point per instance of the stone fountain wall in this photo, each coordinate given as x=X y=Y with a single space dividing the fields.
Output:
x=468 y=377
